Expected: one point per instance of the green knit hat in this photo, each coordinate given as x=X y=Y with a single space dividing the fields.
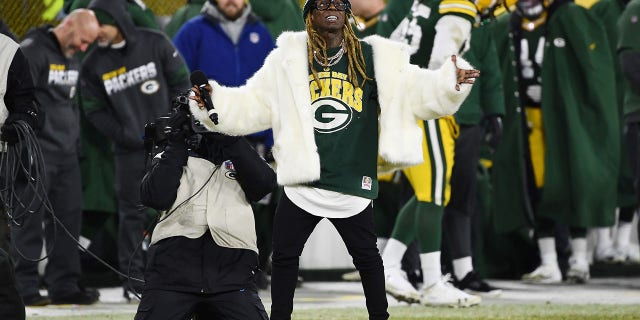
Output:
x=311 y=4
x=104 y=17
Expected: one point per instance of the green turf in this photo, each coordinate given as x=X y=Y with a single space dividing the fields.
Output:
x=504 y=311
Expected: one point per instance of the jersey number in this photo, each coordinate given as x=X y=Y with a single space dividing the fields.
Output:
x=408 y=31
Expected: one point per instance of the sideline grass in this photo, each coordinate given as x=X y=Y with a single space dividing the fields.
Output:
x=504 y=311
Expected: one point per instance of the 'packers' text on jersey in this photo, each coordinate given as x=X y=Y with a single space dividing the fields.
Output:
x=334 y=103
x=121 y=79
x=59 y=75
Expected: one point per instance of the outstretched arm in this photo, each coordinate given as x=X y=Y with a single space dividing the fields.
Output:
x=440 y=92
x=241 y=110
x=452 y=37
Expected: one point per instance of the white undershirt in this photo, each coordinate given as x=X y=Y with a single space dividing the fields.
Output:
x=325 y=203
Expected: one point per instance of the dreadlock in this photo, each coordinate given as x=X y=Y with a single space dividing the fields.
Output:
x=354 y=52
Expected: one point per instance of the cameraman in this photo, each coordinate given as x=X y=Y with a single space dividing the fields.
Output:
x=203 y=254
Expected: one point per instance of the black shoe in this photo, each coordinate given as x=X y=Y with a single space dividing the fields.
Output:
x=83 y=297
x=35 y=300
x=475 y=285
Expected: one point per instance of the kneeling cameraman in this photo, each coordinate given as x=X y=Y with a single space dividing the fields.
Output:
x=203 y=253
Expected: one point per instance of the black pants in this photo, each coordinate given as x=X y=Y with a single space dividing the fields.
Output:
x=173 y=305
x=64 y=189
x=292 y=227
x=131 y=214
x=456 y=221
x=632 y=146
x=11 y=306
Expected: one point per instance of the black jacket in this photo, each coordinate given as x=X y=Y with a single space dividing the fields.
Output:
x=55 y=78
x=200 y=265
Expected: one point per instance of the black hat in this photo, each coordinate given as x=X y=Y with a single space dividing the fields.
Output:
x=104 y=17
x=311 y=4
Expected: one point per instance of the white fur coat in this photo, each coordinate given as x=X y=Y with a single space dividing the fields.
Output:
x=278 y=97
x=8 y=49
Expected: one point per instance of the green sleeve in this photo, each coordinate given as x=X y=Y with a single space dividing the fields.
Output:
x=629 y=27
x=177 y=20
x=392 y=15
x=92 y=94
x=180 y=17
x=142 y=17
x=491 y=91
x=268 y=9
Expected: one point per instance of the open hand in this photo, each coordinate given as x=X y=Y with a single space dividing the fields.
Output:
x=464 y=75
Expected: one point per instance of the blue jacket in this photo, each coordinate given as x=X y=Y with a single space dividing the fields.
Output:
x=206 y=47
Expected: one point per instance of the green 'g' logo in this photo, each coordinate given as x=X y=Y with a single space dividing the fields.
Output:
x=330 y=115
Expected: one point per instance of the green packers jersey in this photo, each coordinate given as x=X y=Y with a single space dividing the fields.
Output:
x=390 y=17
x=418 y=27
x=346 y=127
x=530 y=61
x=629 y=28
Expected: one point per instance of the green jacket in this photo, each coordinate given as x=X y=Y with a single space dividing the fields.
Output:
x=581 y=129
x=182 y=15
x=279 y=15
x=609 y=12
x=629 y=29
x=486 y=95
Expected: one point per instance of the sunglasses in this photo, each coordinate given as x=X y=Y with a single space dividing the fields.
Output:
x=325 y=4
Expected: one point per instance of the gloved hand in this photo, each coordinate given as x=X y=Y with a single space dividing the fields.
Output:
x=9 y=130
x=534 y=92
x=9 y=133
x=493 y=131
x=177 y=129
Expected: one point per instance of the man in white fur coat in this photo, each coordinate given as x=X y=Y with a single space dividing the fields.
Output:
x=334 y=103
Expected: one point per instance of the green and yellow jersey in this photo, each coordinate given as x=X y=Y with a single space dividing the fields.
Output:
x=418 y=29
x=442 y=27
x=531 y=57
